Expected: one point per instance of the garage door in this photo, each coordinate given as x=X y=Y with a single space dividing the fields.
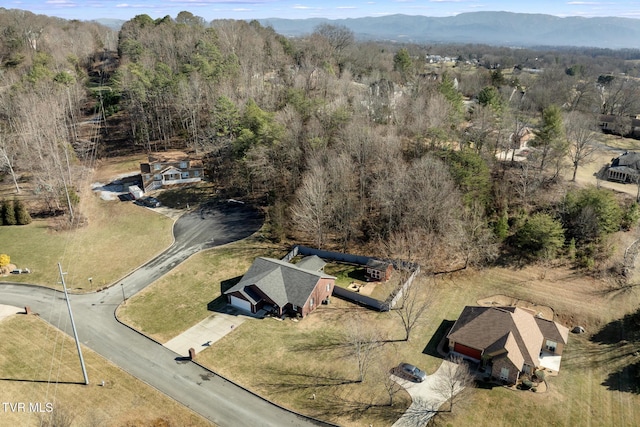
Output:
x=240 y=303
x=467 y=351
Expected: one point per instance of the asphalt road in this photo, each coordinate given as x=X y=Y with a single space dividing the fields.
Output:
x=215 y=398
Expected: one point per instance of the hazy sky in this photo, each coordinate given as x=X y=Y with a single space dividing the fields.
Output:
x=332 y=9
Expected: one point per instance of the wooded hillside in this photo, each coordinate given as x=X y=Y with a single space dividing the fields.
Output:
x=344 y=143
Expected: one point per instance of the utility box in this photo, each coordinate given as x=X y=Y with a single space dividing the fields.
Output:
x=135 y=192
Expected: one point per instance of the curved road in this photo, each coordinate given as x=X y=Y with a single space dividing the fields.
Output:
x=215 y=398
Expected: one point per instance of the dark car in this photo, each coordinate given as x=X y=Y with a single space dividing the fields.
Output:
x=150 y=202
x=415 y=374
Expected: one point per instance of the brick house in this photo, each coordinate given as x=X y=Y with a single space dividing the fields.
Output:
x=281 y=287
x=170 y=168
x=507 y=341
x=379 y=270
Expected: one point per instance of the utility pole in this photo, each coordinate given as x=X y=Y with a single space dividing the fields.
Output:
x=73 y=326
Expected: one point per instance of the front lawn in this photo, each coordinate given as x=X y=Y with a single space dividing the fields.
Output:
x=193 y=290
x=40 y=365
x=118 y=238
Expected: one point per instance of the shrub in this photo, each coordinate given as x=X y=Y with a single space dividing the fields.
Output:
x=526 y=384
x=8 y=213
x=21 y=213
x=540 y=375
x=4 y=260
x=540 y=237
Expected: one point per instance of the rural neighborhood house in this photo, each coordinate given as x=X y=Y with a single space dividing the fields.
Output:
x=170 y=168
x=281 y=287
x=508 y=341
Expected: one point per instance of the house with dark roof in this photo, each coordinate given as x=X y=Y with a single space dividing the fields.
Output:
x=170 y=168
x=281 y=287
x=507 y=341
x=625 y=168
x=376 y=269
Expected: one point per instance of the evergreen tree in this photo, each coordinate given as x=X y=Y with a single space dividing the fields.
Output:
x=21 y=213
x=8 y=213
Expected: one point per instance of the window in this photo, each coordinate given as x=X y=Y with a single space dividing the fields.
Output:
x=311 y=302
x=157 y=177
x=157 y=166
x=504 y=373
x=183 y=165
x=295 y=307
x=196 y=173
x=185 y=175
x=551 y=346
x=328 y=287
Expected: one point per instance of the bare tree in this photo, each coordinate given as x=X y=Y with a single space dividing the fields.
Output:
x=6 y=162
x=414 y=301
x=311 y=209
x=580 y=130
x=454 y=376
x=363 y=339
x=385 y=365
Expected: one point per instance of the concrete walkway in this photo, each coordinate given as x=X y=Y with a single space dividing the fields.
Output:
x=9 y=310
x=427 y=396
x=205 y=333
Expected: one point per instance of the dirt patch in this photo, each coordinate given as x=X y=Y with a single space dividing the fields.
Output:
x=507 y=301
x=362 y=288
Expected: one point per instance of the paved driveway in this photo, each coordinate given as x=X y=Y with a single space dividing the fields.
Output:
x=205 y=333
x=426 y=396
x=212 y=396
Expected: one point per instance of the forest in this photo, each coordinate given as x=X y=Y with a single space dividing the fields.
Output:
x=348 y=145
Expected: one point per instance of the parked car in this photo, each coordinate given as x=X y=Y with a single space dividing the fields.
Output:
x=414 y=373
x=150 y=202
x=20 y=271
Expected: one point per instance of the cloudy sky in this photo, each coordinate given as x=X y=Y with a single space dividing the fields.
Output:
x=332 y=9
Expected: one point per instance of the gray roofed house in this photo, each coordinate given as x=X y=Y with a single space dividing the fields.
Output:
x=282 y=287
x=313 y=263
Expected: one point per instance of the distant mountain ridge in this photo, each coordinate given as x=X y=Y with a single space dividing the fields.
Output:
x=493 y=28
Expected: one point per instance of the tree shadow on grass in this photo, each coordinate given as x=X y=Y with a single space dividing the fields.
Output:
x=625 y=329
x=354 y=408
x=626 y=379
x=296 y=380
x=432 y=346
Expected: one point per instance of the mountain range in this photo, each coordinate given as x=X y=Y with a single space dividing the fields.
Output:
x=493 y=28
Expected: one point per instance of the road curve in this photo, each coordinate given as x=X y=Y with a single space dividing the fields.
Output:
x=215 y=398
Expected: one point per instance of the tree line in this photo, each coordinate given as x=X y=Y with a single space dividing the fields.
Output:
x=344 y=143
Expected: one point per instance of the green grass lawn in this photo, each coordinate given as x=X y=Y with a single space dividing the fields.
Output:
x=190 y=292
x=39 y=364
x=345 y=274
x=289 y=362
x=119 y=237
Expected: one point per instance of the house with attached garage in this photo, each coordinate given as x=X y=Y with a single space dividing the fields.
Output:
x=170 y=168
x=280 y=287
x=507 y=341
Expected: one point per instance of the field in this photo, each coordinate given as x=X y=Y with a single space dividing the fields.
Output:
x=39 y=365
x=119 y=236
x=290 y=362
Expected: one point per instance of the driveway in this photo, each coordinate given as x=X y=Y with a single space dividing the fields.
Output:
x=427 y=396
x=205 y=333
x=212 y=396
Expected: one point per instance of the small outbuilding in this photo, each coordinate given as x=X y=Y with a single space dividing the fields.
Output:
x=378 y=270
